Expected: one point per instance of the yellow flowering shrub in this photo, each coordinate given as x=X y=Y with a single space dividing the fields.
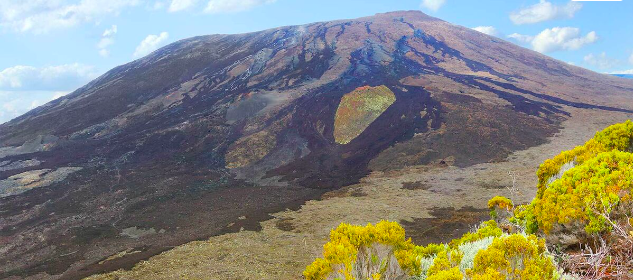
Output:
x=598 y=180
x=586 y=192
x=501 y=202
x=445 y=264
x=615 y=137
x=429 y=250
x=346 y=241
x=450 y=274
x=514 y=257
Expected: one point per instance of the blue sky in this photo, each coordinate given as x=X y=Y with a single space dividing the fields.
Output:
x=51 y=47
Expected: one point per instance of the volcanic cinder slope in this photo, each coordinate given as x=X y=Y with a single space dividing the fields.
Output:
x=210 y=134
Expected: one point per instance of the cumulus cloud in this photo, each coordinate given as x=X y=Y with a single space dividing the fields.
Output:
x=150 y=43
x=544 y=11
x=39 y=16
x=179 y=5
x=557 y=39
x=232 y=6
x=601 y=61
x=106 y=41
x=521 y=38
x=9 y=109
x=158 y=5
x=433 y=5
x=51 y=78
x=110 y=31
x=487 y=30
x=562 y=38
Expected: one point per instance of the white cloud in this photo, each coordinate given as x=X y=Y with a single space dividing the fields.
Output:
x=59 y=94
x=601 y=61
x=521 y=38
x=106 y=41
x=179 y=5
x=487 y=30
x=40 y=16
x=10 y=107
x=233 y=6
x=23 y=88
x=544 y=11
x=631 y=59
x=158 y=5
x=61 y=77
x=433 y=5
x=104 y=53
x=557 y=39
x=150 y=43
x=562 y=38
x=35 y=103
x=110 y=31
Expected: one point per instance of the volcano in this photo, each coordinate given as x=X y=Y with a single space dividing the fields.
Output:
x=210 y=134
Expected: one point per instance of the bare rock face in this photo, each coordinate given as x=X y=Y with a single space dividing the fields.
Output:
x=213 y=128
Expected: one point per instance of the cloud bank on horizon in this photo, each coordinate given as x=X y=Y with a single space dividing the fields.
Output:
x=120 y=30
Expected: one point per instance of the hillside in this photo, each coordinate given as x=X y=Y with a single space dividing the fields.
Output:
x=210 y=134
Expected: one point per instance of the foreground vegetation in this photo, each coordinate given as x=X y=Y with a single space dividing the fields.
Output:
x=577 y=227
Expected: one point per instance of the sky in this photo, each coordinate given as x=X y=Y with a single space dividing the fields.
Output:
x=49 y=48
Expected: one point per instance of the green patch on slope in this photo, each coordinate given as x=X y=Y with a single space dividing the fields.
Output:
x=358 y=109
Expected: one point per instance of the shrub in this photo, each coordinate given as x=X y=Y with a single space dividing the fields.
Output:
x=354 y=252
x=615 y=137
x=357 y=252
x=501 y=202
x=450 y=274
x=514 y=257
x=587 y=193
x=500 y=207
x=583 y=202
x=445 y=262
x=583 y=184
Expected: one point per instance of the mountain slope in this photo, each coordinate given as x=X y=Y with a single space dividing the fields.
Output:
x=186 y=142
